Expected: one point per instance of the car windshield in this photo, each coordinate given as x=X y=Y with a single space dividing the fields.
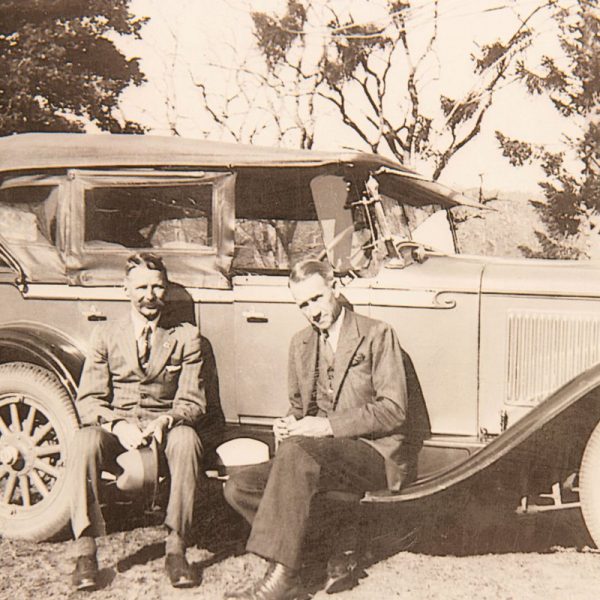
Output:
x=426 y=224
x=352 y=233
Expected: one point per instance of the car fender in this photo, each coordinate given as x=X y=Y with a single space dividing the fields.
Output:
x=44 y=346
x=555 y=411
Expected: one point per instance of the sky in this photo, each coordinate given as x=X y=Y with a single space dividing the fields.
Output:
x=184 y=39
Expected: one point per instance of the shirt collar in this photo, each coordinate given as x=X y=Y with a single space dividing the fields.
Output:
x=139 y=322
x=333 y=333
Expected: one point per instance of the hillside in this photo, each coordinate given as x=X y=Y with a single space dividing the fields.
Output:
x=510 y=223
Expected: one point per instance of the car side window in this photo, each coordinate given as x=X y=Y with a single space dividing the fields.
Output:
x=276 y=222
x=28 y=214
x=274 y=244
x=149 y=216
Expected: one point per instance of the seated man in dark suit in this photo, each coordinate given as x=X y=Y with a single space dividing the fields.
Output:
x=344 y=431
x=140 y=380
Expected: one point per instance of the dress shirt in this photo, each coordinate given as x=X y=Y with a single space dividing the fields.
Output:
x=139 y=323
x=333 y=333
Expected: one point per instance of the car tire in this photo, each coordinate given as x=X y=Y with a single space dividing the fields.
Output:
x=37 y=422
x=589 y=485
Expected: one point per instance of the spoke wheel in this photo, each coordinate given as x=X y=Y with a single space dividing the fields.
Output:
x=37 y=421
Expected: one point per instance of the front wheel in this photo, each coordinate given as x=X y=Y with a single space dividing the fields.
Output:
x=37 y=422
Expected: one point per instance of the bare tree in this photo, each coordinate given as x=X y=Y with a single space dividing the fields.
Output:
x=252 y=98
x=375 y=77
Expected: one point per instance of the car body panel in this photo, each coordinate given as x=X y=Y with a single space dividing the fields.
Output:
x=434 y=308
x=540 y=328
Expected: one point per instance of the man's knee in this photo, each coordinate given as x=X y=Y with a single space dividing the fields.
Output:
x=183 y=441
x=87 y=440
x=294 y=447
x=296 y=453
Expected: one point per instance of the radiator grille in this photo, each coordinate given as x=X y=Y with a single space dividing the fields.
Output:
x=545 y=350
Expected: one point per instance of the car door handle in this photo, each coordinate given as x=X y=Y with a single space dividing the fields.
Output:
x=93 y=314
x=255 y=317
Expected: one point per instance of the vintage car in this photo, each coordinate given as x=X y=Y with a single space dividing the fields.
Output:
x=502 y=355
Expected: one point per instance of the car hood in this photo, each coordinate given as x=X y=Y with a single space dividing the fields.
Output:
x=497 y=276
x=542 y=278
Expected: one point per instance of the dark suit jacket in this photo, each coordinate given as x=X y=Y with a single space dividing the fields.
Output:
x=114 y=386
x=370 y=396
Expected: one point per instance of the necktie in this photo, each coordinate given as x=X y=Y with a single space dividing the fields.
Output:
x=323 y=348
x=327 y=348
x=144 y=346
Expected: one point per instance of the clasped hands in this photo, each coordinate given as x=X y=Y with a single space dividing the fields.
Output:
x=306 y=426
x=131 y=436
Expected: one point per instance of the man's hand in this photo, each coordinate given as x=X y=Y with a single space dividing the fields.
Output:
x=311 y=427
x=281 y=427
x=157 y=428
x=130 y=435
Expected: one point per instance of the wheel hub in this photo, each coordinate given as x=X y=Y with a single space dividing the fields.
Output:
x=17 y=452
x=9 y=455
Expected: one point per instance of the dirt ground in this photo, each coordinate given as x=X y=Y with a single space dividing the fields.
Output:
x=495 y=557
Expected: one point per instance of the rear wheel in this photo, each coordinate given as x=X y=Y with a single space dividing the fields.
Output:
x=37 y=422
x=589 y=485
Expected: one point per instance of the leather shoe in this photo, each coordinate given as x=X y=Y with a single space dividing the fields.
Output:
x=85 y=573
x=179 y=571
x=279 y=583
x=342 y=573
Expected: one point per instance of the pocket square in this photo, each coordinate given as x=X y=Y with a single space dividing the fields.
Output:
x=357 y=359
x=173 y=368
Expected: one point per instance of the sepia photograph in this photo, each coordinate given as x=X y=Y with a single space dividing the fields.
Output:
x=299 y=299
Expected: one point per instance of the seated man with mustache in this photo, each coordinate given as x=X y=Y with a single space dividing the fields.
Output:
x=140 y=380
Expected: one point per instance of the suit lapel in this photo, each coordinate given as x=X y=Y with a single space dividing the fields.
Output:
x=348 y=342
x=162 y=345
x=128 y=345
x=308 y=362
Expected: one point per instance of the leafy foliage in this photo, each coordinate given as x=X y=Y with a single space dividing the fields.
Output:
x=571 y=210
x=275 y=37
x=58 y=68
x=350 y=50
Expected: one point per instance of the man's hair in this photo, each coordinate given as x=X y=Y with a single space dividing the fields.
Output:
x=146 y=260
x=311 y=266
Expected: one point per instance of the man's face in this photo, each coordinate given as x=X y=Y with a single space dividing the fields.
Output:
x=146 y=289
x=318 y=300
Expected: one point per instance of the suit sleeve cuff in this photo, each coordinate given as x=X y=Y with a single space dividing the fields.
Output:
x=341 y=426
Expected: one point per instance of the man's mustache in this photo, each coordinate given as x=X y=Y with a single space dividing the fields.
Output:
x=152 y=303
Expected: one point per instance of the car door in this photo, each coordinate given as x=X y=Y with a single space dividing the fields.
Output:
x=276 y=224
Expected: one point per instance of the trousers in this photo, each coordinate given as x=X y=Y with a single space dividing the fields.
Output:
x=94 y=450
x=275 y=497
